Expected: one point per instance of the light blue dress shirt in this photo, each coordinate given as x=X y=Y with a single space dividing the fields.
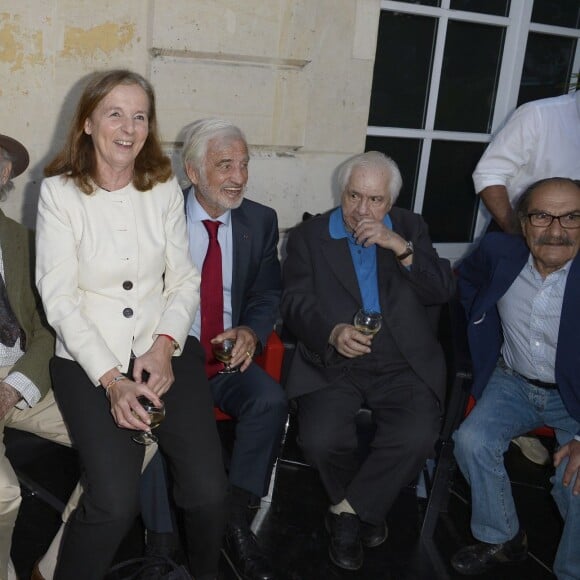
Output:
x=198 y=243
x=530 y=314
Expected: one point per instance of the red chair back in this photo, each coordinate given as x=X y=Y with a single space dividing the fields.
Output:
x=544 y=431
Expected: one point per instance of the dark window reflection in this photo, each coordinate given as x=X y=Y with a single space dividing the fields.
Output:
x=496 y=7
x=469 y=77
x=406 y=154
x=424 y=2
x=562 y=13
x=547 y=67
x=450 y=204
x=402 y=70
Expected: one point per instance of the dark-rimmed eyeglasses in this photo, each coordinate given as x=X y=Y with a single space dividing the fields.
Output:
x=569 y=221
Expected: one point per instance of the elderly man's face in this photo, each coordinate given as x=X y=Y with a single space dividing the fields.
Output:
x=222 y=184
x=366 y=195
x=553 y=246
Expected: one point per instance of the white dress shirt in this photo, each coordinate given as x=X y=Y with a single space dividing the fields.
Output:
x=541 y=139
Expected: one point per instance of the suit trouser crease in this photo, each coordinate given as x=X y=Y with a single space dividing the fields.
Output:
x=260 y=407
x=407 y=418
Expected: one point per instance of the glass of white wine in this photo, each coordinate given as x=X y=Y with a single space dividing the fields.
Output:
x=223 y=352
x=368 y=322
x=156 y=415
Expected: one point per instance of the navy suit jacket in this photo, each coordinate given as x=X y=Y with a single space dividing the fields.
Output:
x=484 y=277
x=256 y=278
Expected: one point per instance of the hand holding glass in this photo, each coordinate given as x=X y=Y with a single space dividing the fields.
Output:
x=223 y=352
x=367 y=321
x=156 y=415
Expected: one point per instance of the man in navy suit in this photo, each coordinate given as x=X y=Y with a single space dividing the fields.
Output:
x=522 y=297
x=242 y=305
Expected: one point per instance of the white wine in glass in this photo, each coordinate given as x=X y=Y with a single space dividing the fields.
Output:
x=156 y=415
x=368 y=322
x=223 y=352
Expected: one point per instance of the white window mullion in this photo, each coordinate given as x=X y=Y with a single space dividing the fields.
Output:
x=512 y=63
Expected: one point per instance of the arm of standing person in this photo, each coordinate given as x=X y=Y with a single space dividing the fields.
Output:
x=510 y=150
x=496 y=200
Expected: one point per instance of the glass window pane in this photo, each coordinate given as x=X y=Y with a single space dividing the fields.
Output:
x=496 y=7
x=562 y=13
x=547 y=67
x=402 y=70
x=405 y=152
x=450 y=204
x=469 y=77
x=424 y=2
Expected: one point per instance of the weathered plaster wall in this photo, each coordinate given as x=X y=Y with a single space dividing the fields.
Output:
x=294 y=74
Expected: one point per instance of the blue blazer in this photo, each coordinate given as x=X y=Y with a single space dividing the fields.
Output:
x=484 y=277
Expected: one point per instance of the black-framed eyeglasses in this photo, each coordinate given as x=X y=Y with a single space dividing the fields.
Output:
x=569 y=221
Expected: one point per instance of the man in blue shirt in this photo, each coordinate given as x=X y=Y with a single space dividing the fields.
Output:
x=365 y=254
x=522 y=297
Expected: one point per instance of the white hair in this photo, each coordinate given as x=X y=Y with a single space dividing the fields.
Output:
x=372 y=159
x=198 y=134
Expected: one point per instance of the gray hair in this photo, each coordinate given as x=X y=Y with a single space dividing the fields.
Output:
x=5 y=159
x=372 y=159
x=197 y=136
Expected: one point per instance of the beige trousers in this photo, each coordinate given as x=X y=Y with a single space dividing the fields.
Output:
x=45 y=420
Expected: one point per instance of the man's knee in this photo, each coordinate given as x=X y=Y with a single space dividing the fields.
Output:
x=320 y=444
x=468 y=439
x=10 y=500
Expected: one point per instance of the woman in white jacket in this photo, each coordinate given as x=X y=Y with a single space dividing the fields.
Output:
x=120 y=290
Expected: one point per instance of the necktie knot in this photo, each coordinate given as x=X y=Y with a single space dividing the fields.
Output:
x=212 y=228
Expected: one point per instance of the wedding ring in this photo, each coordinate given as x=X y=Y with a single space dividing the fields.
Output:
x=249 y=354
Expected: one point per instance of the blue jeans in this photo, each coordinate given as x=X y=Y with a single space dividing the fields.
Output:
x=510 y=406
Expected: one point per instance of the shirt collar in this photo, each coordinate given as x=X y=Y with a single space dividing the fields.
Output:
x=196 y=213
x=337 y=229
x=563 y=271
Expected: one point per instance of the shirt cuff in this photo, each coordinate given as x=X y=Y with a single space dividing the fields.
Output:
x=27 y=389
x=577 y=437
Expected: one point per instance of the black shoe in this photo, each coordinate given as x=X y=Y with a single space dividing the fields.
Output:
x=480 y=557
x=372 y=535
x=345 y=547
x=246 y=555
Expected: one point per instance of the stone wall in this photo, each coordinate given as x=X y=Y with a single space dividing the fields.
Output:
x=294 y=74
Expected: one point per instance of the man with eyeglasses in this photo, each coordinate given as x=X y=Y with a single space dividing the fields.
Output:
x=522 y=298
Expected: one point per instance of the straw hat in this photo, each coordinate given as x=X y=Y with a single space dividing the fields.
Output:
x=17 y=152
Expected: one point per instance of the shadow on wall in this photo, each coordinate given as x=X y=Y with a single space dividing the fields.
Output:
x=35 y=172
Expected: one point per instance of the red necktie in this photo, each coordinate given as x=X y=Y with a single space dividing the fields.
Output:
x=212 y=297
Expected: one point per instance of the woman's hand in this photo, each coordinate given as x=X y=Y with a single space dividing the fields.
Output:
x=122 y=394
x=156 y=362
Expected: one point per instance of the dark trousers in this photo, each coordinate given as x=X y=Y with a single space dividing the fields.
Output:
x=259 y=405
x=407 y=418
x=111 y=467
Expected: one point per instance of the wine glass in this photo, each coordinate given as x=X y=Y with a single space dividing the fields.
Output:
x=368 y=322
x=223 y=352
x=156 y=415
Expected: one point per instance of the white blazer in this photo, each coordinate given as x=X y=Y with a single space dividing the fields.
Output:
x=113 y=270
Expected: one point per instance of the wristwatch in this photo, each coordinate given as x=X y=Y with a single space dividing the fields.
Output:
x=408 y=251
